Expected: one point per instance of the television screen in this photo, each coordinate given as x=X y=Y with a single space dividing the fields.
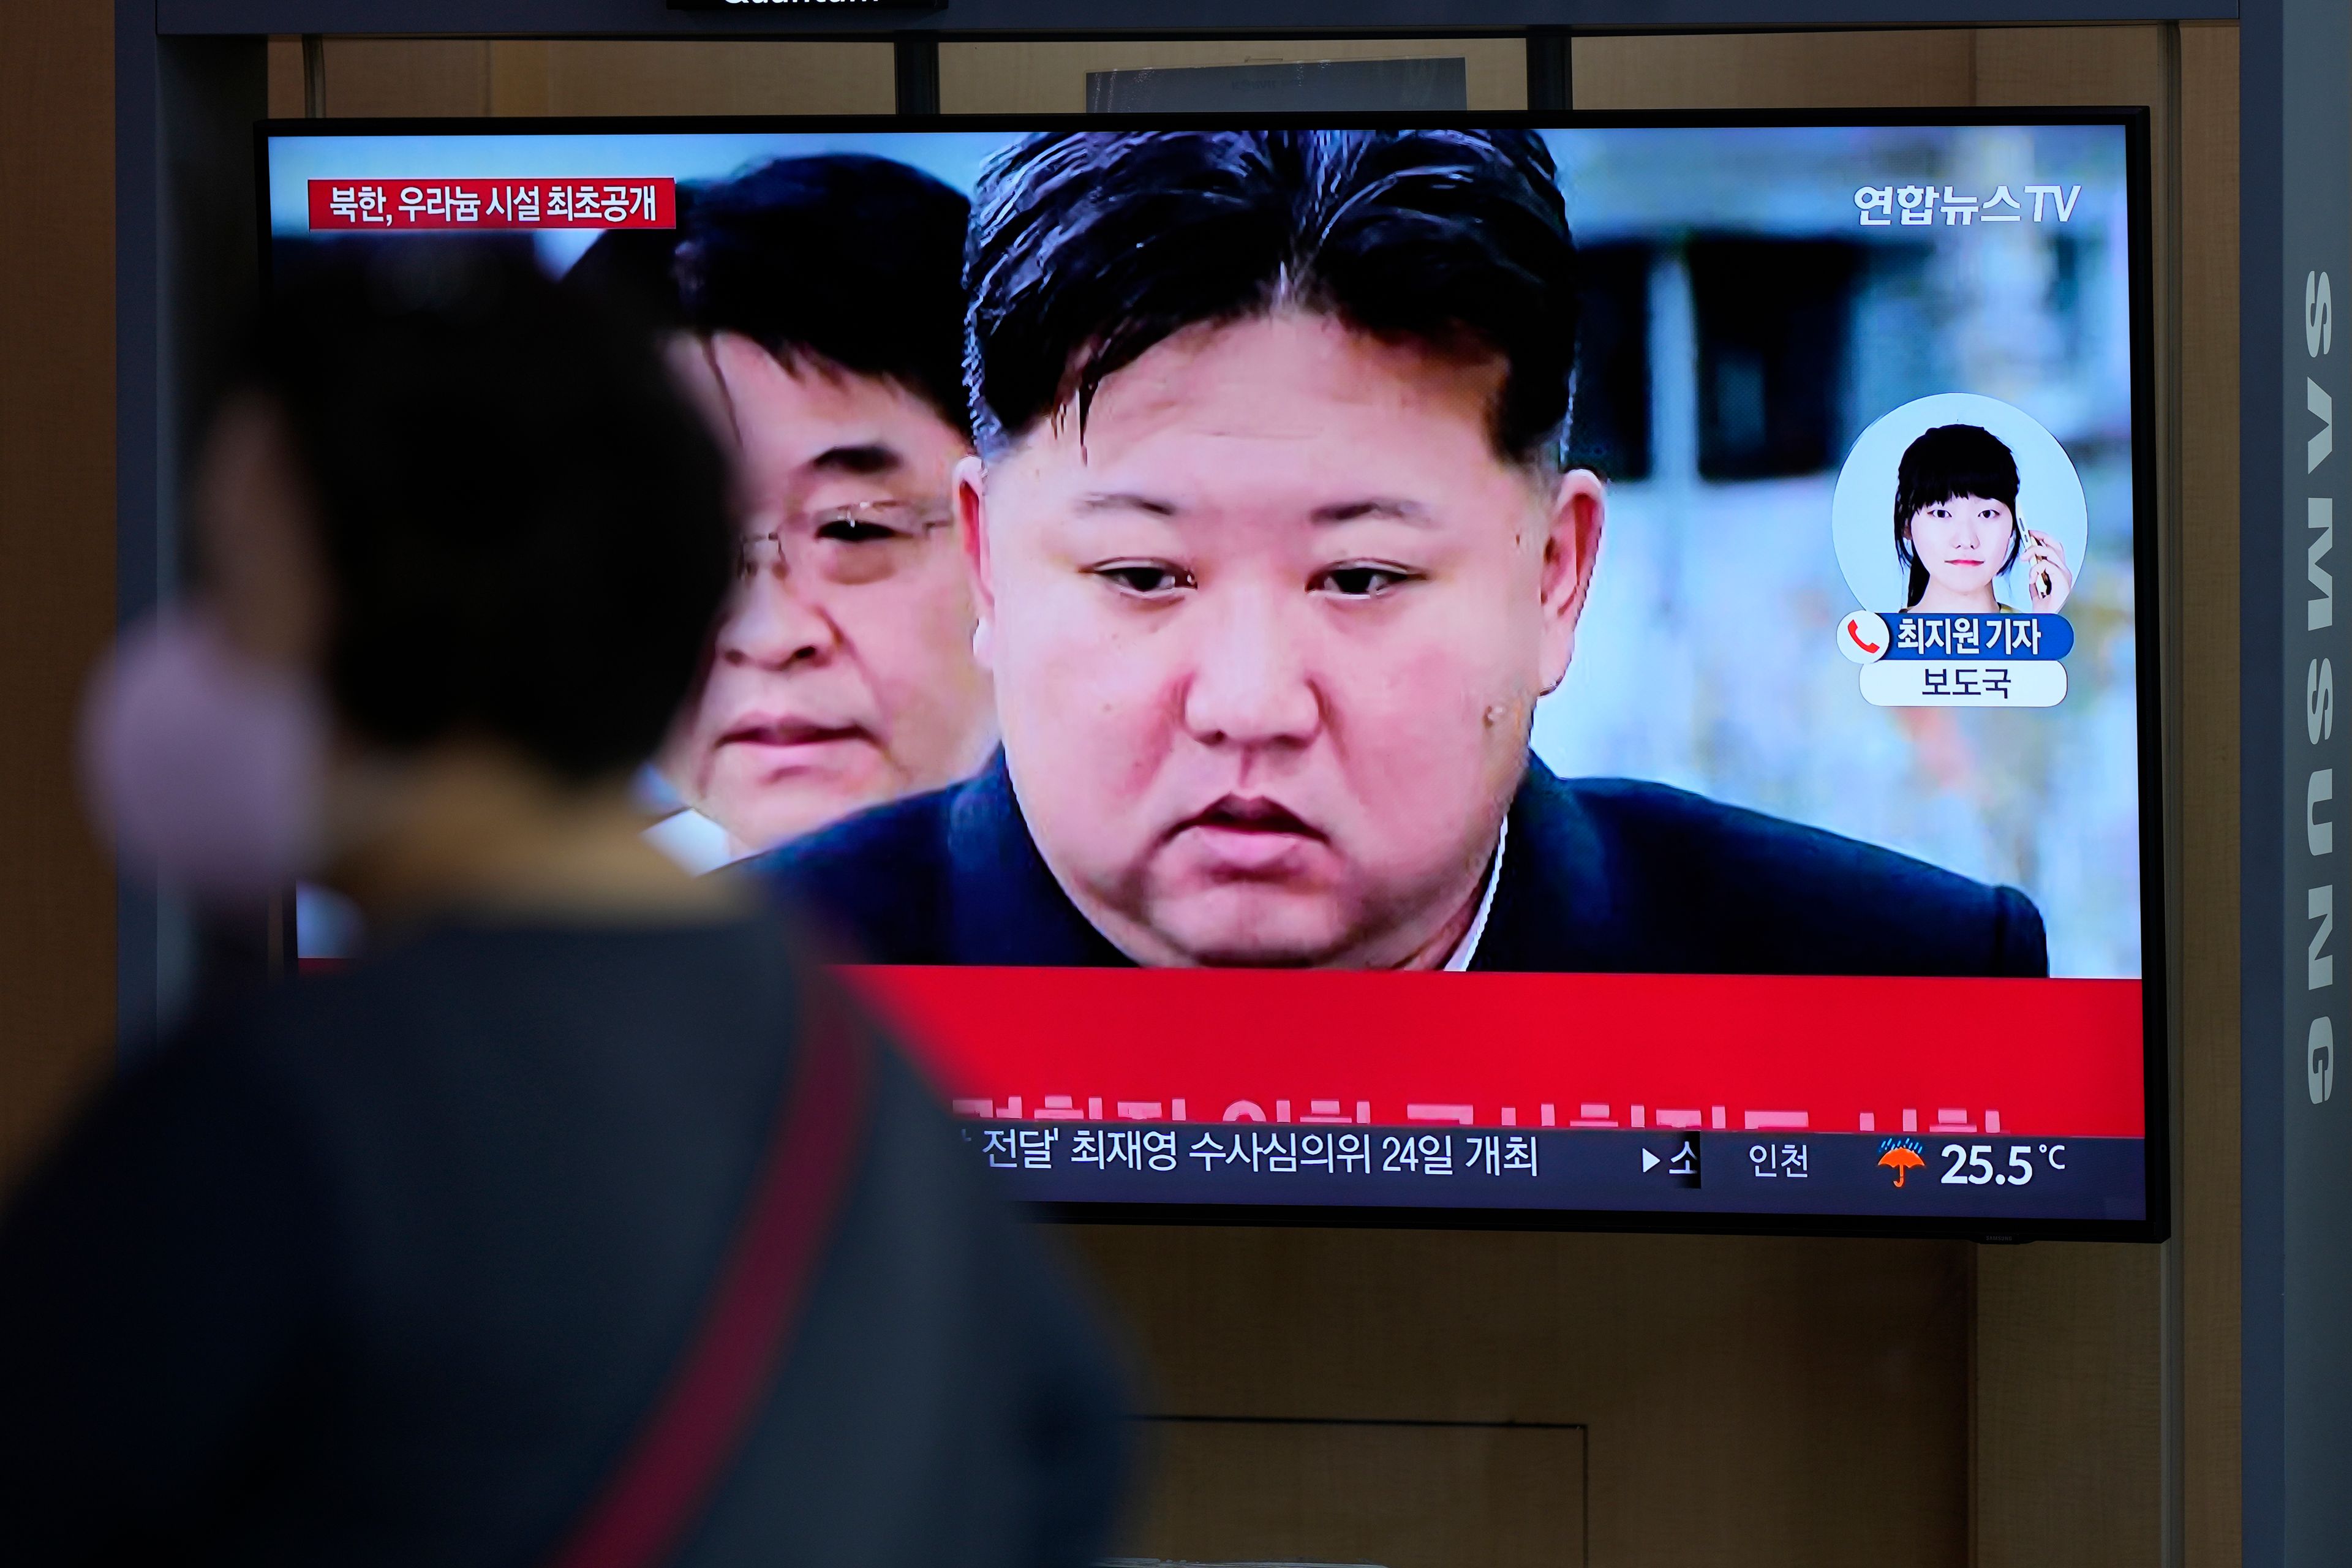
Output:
x=1578 y=671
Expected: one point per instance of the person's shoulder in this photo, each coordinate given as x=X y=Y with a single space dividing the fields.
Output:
x=879 y=878
x=908 y=830
x=1768 y=895
x=1660 y=819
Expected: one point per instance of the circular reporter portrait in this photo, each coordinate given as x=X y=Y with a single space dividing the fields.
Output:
x=1943 y=453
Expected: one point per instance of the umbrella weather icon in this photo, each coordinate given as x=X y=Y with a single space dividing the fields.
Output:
x=1902 y=1155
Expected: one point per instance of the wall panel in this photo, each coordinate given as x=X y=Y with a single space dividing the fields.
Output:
x=1775 y=70
x=385 y=76
x=613 y=77
x=1749 y=1400
x=594 y=77
x=57 y=554
x=1403 y=1494
x=2207 y=602
x=286 y=82
x=1051 y=77
x=2066 y=1405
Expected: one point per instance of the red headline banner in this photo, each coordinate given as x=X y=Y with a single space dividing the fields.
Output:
x=1741 y=1053
x=379 y=204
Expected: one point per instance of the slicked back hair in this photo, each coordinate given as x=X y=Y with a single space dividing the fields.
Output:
x=1088 y=249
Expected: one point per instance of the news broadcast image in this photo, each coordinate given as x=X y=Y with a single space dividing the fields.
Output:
x=1585 y=672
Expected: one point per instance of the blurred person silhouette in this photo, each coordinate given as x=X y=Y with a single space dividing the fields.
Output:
x=583 y=1220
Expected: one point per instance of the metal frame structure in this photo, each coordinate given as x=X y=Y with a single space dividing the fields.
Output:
x=190 y=79
x=2295 y=1140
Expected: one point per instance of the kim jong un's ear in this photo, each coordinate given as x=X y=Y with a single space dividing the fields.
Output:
x=1578 y=510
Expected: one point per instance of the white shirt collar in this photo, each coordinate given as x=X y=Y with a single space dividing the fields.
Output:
x=1467 y=948
x=697 y=843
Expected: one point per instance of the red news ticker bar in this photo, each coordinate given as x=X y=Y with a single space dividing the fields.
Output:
x=378 y=206
x=1767 y=1052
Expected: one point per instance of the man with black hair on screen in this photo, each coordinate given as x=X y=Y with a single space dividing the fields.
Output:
x=1275 y=554
x=815 y=305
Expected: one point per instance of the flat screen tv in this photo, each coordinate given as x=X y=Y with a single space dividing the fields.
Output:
x=1579 y=670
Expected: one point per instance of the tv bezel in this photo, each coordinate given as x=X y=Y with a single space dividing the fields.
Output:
x=2157 y=1138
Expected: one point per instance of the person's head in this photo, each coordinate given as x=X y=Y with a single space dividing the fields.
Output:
x=1956 y=522
x=632 y=273
x=1274 y=549
x=825 y=307
x=470 y=513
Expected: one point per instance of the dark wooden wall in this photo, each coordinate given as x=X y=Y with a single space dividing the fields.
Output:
x=57 y=550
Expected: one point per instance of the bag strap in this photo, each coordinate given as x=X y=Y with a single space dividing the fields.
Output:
x=659 y=1489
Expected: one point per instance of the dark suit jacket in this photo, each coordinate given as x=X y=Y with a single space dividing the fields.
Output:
x=1600 y=875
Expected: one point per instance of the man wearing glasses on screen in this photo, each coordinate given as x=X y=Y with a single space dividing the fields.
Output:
x=823 y=316
x=1275 y=554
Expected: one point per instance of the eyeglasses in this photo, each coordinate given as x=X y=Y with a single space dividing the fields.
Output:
x=847 y=544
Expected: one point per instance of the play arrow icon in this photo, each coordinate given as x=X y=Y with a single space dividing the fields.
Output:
x=1649 y=1162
